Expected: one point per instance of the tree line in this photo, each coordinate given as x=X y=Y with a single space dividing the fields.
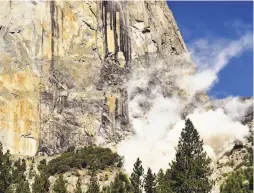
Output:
x=189 y=172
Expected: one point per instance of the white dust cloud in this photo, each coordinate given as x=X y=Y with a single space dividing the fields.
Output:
x=157 y=116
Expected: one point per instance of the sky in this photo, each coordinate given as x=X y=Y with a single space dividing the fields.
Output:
x=212 y=27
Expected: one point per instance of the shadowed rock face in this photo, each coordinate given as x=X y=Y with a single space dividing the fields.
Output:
x=65 y=66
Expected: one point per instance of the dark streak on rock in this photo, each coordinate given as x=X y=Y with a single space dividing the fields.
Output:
x=62 y=19
x=111 y=8
x=88 y=25
x=104 y=20
x=116 y=109
x=53 y=34
x=27 y=136
x=34 y=2
x=42 y=39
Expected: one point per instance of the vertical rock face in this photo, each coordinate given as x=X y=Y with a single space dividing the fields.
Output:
x=65 y=66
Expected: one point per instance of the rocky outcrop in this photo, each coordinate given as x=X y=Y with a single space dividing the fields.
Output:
x=237 y=157
x=65 y=65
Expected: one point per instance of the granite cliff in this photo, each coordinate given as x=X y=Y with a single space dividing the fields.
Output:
x=65 y=65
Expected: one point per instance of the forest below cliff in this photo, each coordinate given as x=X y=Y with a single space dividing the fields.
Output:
x=190 y=171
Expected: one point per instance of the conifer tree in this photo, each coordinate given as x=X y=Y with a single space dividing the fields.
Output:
x=238 y=182
x=18 y=170
x=93 y=186
x=5 y=170
x=59 y=186
x=163 y=182
x=23 y=187
x=41 y=183
x=190 y=171
x=136 y=176
x=10 y=189
x=78 y=186
x=121 y=184
x=149 y=182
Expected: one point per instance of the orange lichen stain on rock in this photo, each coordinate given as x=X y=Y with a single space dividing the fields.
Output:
x=111 y=104
x=20 y=78
x=19 y=116
x=22 y=81
x=24 y=114
x=4 y=121
x=69 y=16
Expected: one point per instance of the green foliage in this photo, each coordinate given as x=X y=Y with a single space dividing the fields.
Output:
x=93 y=186
x=163 y=183
x=149 y=182
x=250 y=149
x=42 y=165
x=106 y=177
x=78 y=186
x=121 y=184
x=59 y=186
x=83 y=158
x=5 y=170
x=31 y=172
x=190 y=171
x=41 y=183
x=136 y=175
x=239 y=181
x=23 y=187
x=9 y=190
x=19 y=167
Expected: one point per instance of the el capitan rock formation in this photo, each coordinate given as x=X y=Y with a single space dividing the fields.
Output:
x=65 y=65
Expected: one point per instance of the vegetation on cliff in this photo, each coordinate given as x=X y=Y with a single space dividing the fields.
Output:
x=121 y=184
x=241 y=179
x=189 y=172
x=84 y=158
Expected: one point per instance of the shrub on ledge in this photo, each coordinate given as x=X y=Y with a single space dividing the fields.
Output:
x=86 y=157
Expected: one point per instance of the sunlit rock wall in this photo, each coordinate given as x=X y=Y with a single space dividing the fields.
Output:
x=65 y=65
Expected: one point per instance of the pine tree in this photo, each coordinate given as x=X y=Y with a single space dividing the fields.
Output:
x=190 y=171
x=238 y=182
x=136 y=175
x=18 y=170
x=78 y=186
x=23 y=187
x=5 y=170
x=93 y=186
x=41 y=183
x=163 y=183
x=10 y=189
x=59 y=186
x=149 y=182
x=121 y=184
